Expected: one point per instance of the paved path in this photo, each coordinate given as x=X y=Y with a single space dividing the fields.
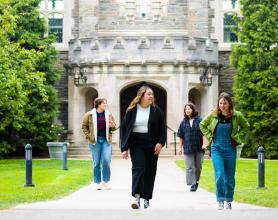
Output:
x=172 y=200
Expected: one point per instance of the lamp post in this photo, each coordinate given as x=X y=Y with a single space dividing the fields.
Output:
x=261 y=167
x=28 y=166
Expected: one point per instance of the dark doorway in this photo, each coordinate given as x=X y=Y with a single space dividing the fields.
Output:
x=128 y=93
x=194 y=96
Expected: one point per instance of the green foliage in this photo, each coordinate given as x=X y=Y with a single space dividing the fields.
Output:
x=28 y=101
x=256 y=80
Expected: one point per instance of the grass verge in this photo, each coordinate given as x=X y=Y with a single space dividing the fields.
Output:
x=51 y=182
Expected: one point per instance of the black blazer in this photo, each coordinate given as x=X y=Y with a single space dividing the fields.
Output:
x=156 y=128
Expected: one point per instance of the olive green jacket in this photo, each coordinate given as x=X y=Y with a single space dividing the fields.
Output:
x=239 y=127
x=89 y=126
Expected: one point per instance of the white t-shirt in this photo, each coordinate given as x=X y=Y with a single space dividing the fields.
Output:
x=142 y=118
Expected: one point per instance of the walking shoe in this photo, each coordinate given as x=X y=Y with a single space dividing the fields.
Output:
x=97 y=186
x=194 y=187
x=220 y=205
x=136 y=203
x=106 y=185
x=229 y=205
x=146 y=203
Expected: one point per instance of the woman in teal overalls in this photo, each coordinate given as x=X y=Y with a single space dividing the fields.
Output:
x=224 y=128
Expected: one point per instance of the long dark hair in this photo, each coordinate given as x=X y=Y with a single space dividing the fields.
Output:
x=194 y=111
x=140 y=93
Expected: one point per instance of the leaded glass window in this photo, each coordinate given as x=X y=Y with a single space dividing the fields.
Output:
x=229 y=24
x=55 y=23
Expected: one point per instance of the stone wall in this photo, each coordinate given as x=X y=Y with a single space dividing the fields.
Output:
x=227 y=73
x=62 y=87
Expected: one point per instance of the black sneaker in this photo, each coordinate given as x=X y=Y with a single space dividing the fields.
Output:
x=194 y=187
x=146 y=203
x=136 y=203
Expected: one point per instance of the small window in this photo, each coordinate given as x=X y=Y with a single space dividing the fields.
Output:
x=230 y=4
x=55 y=22
x=55 y=4
x=229 y=24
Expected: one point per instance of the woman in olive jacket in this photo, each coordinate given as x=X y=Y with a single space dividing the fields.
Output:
x=225 y=129
x=143 y=133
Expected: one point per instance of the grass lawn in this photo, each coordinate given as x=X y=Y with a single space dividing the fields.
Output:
x=51 y=182
x=246 y=181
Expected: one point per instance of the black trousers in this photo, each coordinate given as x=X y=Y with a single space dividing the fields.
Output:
x=144 y=165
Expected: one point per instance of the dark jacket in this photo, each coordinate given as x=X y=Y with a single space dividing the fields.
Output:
x=156 y=128
x=192 y=136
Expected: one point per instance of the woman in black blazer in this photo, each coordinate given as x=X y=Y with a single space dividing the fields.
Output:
x=143 y=133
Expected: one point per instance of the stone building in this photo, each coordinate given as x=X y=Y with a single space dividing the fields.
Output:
x=109 y=48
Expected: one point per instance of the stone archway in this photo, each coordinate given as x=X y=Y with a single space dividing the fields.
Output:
x=194 y=96
x=90 y=96
x=129 y=92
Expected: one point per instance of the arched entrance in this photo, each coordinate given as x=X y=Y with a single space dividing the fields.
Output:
x=129 y=92
x=194 y=96
x=90 y=96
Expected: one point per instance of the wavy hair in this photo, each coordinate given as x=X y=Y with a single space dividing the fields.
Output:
x=228 y=98
x=140 y=93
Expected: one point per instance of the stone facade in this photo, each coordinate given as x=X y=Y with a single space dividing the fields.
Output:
x=119 y=45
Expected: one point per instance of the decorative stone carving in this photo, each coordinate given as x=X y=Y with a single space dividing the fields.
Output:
x=144 y=43
x=94 y=45
x=118 y=44
x=192 y=44
x=168 y=43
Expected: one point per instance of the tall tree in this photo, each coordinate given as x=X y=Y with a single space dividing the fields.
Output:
x=28 y=99
x=256 y=79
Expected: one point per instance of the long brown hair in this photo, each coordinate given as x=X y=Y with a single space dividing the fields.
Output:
x=228 y=98
x=140 y=93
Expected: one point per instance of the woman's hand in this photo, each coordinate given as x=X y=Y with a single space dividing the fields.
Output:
x=157 y=148
x=125 y=154
x=180 y=151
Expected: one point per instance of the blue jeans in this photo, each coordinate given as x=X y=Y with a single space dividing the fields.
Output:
x=101 y=154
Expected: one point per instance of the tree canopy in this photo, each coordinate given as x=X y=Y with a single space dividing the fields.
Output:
x=28 y=72
x=256 y=79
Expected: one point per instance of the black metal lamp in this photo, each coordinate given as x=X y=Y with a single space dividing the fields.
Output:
x=206 y=77
x=79 y=77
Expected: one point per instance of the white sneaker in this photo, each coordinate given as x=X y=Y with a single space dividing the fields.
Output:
x=97 y=186
x=106 y=185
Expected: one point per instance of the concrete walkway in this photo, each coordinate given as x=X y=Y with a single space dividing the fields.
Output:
x=172 y=199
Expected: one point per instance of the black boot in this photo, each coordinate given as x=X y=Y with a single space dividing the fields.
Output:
x=146 y=203
x=136 y=203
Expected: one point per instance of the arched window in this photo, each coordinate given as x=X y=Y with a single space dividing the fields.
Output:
x=55 y=23
x=229 y=24
x=55 y=10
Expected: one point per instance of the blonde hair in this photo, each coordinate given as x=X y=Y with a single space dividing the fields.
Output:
x=227 y=97
x=140 y=93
